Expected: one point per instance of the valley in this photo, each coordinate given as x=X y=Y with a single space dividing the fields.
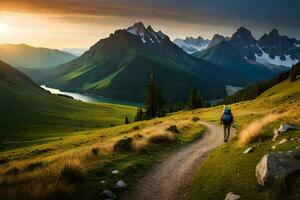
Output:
x=155 y=100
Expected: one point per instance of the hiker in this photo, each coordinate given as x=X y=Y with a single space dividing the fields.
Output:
x=226 y=120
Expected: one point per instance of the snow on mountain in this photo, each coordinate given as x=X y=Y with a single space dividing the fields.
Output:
x=192 y=45
x=265 y=58
x=297 y=45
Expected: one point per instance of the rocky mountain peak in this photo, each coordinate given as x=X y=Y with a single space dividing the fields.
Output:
x=274 y=33
x=137 y=29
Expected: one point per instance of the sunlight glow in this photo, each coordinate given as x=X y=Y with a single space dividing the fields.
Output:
x=3 y=28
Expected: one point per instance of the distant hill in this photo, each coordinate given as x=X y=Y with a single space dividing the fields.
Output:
x=75 y=51
x=27 y=111
x=118 y=67
x=26 y=57
x=224 y=54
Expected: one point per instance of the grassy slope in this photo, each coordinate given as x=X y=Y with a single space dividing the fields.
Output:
x=228 y=169
x=77 y=149
x=31 y=114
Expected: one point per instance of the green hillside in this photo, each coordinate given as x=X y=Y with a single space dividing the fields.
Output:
x=118 y=67
x=229 y=169
x=29 y=113
x=27 y=57
x=89 y=154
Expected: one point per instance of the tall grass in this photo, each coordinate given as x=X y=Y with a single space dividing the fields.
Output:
x=52 y=175
x=254 y=130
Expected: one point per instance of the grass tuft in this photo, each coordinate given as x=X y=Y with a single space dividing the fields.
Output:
x=72 y=171
x=160 y=137
x=95 y=151
x=33 y=166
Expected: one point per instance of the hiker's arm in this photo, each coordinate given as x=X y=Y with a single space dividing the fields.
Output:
x=221 y=120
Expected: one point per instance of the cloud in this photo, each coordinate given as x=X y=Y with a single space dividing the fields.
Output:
x=230 y=13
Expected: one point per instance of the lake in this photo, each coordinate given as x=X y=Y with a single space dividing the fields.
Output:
x=91 y=99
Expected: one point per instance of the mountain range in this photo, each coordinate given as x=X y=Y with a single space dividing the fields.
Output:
x=192 y=45
x=269 y=50
x=226 y=55
x=118 y=67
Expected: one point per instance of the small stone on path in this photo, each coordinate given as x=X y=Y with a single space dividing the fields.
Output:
x=115 y=172
x=121 y=184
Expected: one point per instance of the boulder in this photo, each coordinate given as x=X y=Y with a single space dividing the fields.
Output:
x=286 y=127
x=283 y=129
x=121 y=184
x=232 y=196
x=108 y=194
x=123 y=145
x=277 y=165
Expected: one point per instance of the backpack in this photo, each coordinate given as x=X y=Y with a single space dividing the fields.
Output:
x=227 y=117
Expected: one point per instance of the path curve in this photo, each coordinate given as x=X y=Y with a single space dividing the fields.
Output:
x=171 y=179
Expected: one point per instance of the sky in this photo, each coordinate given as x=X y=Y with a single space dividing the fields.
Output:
x=81 y=23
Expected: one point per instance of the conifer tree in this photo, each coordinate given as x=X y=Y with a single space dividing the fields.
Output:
x=195 y=100
x=139 y=114
x=154 y=101
x=126 y=120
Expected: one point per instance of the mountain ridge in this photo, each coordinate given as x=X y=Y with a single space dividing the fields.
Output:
x=98 y=69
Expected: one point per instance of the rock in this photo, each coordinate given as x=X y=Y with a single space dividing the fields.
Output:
x=121 y=184
x=102 y=182
x=282 y=141
x=232 y=196
x=277 y=165
x=286 y=127
x=115 y=172
x=275 y=135
x=123 y=145
x=248 y=150
x=109 y=194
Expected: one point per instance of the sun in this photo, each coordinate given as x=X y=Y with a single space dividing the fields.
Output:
x=3 y=28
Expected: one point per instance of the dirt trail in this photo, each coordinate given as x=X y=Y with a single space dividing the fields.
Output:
x=171 y=179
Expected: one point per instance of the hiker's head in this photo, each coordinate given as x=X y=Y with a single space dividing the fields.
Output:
x=226 y=108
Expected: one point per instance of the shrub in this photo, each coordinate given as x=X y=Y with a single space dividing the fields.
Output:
x=138 y=136
x=95 y=151
x=13 y=171
x=173 y=129
x=123 y=145
x=33 y=166
x=135 y=128
x=161 y=138
x=72 y=172
x=195 y=119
